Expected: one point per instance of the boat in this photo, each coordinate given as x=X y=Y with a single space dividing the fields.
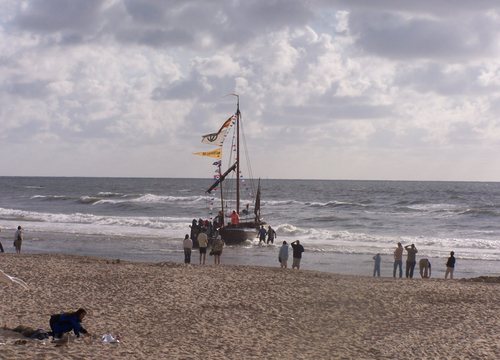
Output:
x=229 y=183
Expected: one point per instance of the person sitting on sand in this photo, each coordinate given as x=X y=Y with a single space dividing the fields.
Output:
x=425 y=268
x=65 y=322
x=297 y=254
x=450 y=266
x=376 y=267
x=283 y=255
x=217 y=250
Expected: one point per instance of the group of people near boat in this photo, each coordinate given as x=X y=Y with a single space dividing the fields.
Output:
x=297 y=250
x=202 y=239
x=202 y=243
x=425 y=266
x=270 y=233
x=204 y=226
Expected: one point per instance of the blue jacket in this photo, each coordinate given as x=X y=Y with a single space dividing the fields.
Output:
x=63 y=323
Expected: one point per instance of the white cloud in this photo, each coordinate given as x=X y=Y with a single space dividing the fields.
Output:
x=126 y=82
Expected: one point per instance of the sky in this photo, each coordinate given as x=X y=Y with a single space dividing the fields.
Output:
x=329 y=89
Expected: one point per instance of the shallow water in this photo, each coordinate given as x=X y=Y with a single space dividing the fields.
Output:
x=341 y=223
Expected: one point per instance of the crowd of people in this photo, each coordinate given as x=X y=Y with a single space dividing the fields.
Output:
x=202 y=236
x=202 y=243
x=425 y=267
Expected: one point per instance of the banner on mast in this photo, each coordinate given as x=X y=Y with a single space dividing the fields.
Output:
x=216 y=154
x=218 y=137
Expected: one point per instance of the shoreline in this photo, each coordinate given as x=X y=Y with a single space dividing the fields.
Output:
x=266 y=256
x=168 y=310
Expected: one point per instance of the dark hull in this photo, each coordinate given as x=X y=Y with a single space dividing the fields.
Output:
x=238 y=234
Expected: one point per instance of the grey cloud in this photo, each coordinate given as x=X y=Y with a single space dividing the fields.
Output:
x=442 y=8
x=272 y=14
x=156 y=37
x=156 y=24
x=26 y=89
x=180 y=90
x=311 y=115
x=392 y=35
x=147 y=12
x=56 y=15
x=433 y=77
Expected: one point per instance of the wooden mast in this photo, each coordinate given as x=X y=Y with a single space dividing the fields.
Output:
x=237 y=154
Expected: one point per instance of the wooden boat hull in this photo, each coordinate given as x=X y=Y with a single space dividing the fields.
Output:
x=238 y=234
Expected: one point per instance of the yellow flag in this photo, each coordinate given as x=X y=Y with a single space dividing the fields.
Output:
x=217 y=153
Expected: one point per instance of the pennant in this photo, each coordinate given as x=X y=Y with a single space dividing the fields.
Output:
x=217 y=153
x=218 y=137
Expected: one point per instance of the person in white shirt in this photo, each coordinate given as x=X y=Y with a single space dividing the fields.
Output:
x=202 y=243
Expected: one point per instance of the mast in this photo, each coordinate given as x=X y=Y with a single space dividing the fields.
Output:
x=238 y=114
x=221 y=196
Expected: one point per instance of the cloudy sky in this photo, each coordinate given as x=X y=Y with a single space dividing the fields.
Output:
x=358 y=89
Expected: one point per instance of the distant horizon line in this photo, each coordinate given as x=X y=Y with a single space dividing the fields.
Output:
x=206 y=178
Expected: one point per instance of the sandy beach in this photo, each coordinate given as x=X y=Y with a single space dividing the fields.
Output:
x=165 y=310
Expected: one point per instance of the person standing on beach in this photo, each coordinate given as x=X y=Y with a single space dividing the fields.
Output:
x=1 y=246
x=271 y=234
x=202 y=243
x=298 y=249
x=450 y=266
x=376 y=267
x=18 y=239
x=425 y=268
x=398 y=260
x=217 y=250
x=411 y=260
x=188 y=247
x=283 y=255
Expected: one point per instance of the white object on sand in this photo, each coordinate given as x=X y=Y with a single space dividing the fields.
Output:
x=11 y=279
x=109 y=339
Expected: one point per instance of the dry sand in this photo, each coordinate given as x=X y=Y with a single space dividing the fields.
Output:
x=172 y=311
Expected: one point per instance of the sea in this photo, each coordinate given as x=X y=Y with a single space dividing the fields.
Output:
x=341 y=224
